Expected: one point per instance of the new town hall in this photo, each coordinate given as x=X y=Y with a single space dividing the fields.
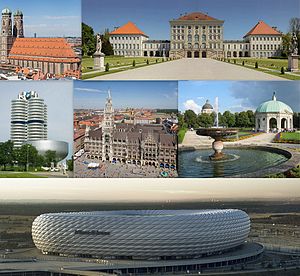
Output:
x=147 y=144
x=197 y=35
x=48 y=55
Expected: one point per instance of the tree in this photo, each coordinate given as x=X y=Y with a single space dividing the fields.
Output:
x=296 y=120
x=107 y=48
x=6 y=154
x=251 y=117
x=27 y=155
x=88 y=40
x=70 y=164
x=180 y=119
x=50 y=157
x=229 y=118
x=242 y=119
x=222 y=120
x=286 y=40
x=190 y=118
x=205 y=120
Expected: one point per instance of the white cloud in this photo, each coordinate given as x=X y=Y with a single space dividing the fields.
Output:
x=191 y=104
x=90 y=90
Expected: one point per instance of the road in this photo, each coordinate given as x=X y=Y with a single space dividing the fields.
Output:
x=190 y=69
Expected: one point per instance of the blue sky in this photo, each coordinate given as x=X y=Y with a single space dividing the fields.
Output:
x=153 y=17
x=53 y=18
x=136 y=94
x=236 y=96
x=58 y=96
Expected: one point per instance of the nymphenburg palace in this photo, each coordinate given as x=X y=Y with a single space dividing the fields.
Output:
x=197 y=35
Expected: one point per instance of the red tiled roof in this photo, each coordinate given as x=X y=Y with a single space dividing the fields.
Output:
x=261 y=28
x=128 y=28
x=196 y=16
x=79 y=133
x=43 y=49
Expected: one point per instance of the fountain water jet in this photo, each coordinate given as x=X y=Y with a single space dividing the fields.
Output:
x=217 y=134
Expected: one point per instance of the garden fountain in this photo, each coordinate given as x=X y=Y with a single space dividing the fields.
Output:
x=235 y=160
x=217 y=133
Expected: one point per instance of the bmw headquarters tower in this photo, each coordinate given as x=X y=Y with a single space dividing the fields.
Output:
x=28 y=118
x=168 y=236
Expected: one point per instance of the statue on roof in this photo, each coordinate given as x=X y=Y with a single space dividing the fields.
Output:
x=98 y=43
x=294 y=45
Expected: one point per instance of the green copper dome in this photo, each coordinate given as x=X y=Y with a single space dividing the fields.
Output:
x=6 y=11
x=274 y=106
x=18 y=12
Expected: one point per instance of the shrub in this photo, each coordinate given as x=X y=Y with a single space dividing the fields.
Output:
x=243 y=63
x=282 y=70
x=256 y=64
x=234 y=61
x=162 y=60
x=147 y=61
x=133 y=63
x=156 y=60
x=107 y=67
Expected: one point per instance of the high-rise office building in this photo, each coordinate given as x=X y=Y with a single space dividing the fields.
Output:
x=28 y=118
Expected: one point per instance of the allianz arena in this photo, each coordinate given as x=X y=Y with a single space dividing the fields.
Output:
x=141 y=234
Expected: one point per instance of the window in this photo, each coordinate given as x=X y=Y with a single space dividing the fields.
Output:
x=196 y=37
x=189 y=37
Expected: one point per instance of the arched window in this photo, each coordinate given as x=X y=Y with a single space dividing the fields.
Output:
x=196 y=37
x=203 y=37
x=196 y=45
x=189 y=37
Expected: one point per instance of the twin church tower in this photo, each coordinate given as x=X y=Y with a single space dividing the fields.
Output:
x=9 y=31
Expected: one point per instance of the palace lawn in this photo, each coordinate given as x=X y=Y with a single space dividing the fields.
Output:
x=267 y=65
x=118 y=62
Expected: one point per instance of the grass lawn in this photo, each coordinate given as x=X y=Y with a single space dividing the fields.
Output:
x=274 y=64
x=290 y=136
x=4 y=174
x=242 y=134
x=181 y=134
x=117 y=61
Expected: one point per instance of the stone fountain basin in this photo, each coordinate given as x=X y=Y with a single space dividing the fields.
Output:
x=216 y=132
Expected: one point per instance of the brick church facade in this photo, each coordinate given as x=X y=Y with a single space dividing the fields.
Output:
x=48 y=55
